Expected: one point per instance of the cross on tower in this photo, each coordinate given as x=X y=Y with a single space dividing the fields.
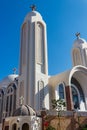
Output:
x=14 y=70
x=77 y=35
x=33 y=7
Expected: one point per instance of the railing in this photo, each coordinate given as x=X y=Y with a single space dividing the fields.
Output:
x=67 y=113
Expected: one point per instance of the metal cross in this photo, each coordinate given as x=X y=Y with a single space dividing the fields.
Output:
x=14 y=70
x=21 y=100
x=77 y=35
x=33 y=7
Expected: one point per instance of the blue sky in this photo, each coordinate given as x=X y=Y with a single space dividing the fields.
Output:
x=63 y=18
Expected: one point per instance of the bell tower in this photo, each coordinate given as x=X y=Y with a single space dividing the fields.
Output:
x=79 y=51
x=33 y=77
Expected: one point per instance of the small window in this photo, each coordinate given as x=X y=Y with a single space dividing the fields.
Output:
x=61 y=91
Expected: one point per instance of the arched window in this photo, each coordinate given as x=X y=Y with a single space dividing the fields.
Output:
x=10 y=99
x=77 y=94
x=1 y=103
x=60 y=91
x=25 y=126
x=75 y=97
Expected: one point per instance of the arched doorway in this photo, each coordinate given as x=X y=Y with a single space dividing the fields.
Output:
x=78 y=77
x=25 y=126
x=14 y=126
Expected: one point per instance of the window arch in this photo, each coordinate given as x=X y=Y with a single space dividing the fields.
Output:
x=60 y=91
x=10 y=99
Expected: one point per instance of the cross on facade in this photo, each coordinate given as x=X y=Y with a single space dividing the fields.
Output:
x=33 y=7
x=77 y=35
x=21 y=100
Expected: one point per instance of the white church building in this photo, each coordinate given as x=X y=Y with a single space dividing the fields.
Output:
x=33 y=84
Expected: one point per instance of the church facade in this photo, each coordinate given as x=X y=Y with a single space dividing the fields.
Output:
x=33 y=86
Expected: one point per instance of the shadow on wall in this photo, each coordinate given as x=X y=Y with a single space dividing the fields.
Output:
x=42 y=93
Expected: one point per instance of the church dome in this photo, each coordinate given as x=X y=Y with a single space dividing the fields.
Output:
x=24 y=110
x=8 y=79
x=31 y=14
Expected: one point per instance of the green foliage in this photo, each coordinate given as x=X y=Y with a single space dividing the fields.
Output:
x=58 y=104
x=50 y=128
x=84 y=127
